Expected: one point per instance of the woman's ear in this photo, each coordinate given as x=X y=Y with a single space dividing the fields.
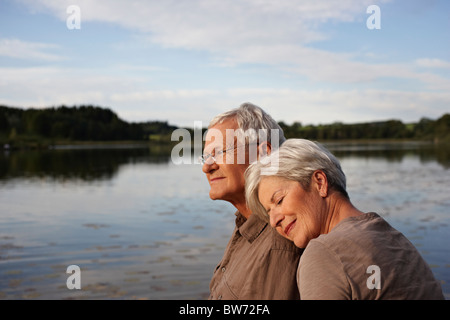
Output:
x=264 y=149
x=320 y=182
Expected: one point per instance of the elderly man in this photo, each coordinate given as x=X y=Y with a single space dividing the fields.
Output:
x=258 y=263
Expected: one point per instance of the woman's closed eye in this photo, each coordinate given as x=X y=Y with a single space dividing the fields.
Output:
x=279 y=201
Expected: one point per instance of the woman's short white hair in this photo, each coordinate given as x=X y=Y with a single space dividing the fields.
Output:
x=297 y=160
x=251 y=117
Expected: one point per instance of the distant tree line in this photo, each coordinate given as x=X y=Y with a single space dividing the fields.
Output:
x=425 y=129
x=91 y=123
x=82 y=123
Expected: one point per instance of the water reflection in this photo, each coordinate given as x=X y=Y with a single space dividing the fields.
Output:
x=142 y=227
x=393 y=151
x=79 y=163
x=103 y=162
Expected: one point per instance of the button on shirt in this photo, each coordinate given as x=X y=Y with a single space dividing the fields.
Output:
x=258 y=264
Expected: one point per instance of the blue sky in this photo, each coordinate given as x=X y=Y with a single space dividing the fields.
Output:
x=187 y=60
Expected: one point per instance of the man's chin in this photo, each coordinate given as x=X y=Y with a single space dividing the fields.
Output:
x=214 y=196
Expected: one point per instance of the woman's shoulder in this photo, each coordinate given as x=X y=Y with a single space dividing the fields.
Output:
x=362 y=226
x=359 y=233
x=359 y=243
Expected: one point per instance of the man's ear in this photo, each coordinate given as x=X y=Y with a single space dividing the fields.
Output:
x=264 y=148
x=320 y=182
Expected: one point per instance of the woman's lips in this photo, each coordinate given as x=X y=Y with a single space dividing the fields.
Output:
x=289 y=227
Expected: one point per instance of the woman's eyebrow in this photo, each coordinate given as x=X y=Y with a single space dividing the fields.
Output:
x=272 y=199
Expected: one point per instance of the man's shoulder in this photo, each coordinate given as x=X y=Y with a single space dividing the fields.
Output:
x=275 y=241
x=260 y=233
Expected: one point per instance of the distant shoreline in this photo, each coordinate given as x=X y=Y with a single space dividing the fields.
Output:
x=167 y=146
x=94 y=126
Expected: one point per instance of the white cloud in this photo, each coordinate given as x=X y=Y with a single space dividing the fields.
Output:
x=152 y=95
x=348 y=106
x=432 y=63
x=46 y=86
x=276 y=33
x=200 y=24
x=280 y=33
x=15 y=48
x=216 y=25
x=133 y=101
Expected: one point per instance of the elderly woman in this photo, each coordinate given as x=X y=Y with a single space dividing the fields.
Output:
x=348 y=254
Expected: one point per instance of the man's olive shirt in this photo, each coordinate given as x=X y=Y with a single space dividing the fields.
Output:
x=258 y=264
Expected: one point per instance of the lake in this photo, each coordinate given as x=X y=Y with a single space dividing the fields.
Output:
x=140 y=227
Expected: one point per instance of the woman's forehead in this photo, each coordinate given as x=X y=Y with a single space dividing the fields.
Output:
x=269 y=184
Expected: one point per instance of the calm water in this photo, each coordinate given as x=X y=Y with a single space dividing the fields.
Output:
x=140 y=227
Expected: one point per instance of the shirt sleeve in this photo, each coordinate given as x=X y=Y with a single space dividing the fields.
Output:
x=321 y=275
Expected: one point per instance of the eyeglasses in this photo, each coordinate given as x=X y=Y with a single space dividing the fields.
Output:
x=203 y=159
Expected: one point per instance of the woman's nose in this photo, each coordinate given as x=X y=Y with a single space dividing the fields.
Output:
x=276 y=218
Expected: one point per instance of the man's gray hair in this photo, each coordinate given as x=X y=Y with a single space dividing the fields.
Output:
x=298 y=159
x=250 y=116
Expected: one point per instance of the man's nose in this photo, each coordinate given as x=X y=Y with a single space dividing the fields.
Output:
x=209 y=166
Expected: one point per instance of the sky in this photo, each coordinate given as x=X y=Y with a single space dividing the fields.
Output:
x=182 y=61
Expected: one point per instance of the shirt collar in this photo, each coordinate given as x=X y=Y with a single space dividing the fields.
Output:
x=249 y=228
